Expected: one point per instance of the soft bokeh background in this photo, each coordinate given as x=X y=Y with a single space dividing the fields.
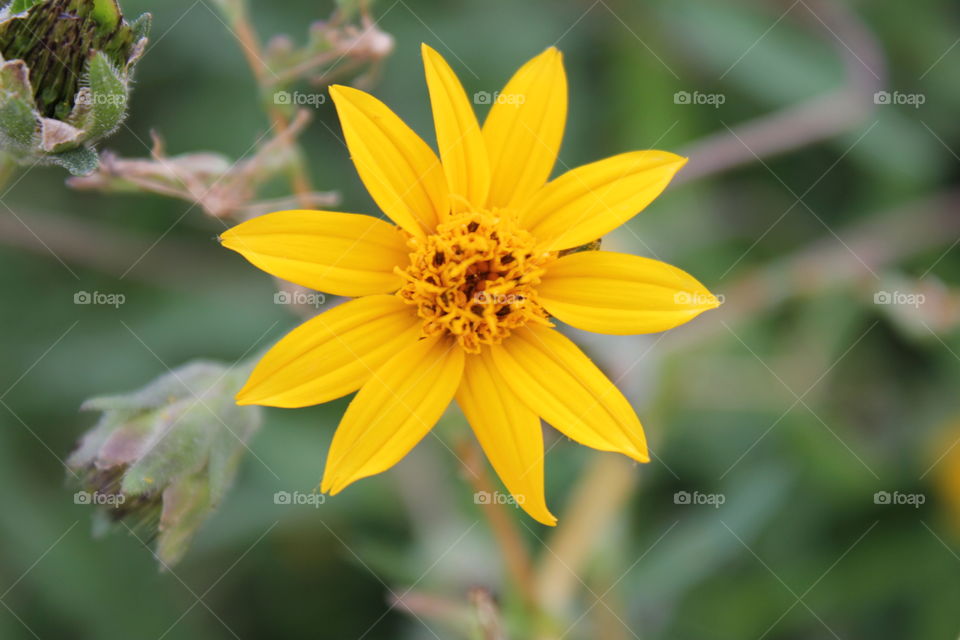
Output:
x=796 y=403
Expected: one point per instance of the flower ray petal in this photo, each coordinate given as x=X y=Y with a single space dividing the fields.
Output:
x=345 y=254
x=393 y=411
x=621 y=294
x=332 y=354
x=399 y=169
x=509 y=433
x=585 y=203
x=553 y=377
x=461 y=145
x=524 y=129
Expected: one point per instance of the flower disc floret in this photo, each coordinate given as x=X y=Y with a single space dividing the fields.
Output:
x=475 y=279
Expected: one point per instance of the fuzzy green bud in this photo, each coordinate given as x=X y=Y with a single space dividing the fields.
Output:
x=65 y=78
x=165 y=455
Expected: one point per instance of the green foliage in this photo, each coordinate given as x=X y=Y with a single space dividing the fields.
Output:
x=799 y=499
x=173 y=446
x=80 y=161
x=69 y=62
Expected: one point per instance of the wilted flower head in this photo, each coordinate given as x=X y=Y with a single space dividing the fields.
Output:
x=167 y=453
x=64 y=77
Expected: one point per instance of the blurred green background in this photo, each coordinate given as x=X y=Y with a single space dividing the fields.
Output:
x=797 y=401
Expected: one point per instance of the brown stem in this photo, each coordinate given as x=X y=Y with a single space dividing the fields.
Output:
x=79 y=241
x=598 y=499
x=502 y=524
x=818 y=119
x=250 y=44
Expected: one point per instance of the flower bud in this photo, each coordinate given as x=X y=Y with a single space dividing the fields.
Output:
x=65 y=71
x=166 y=454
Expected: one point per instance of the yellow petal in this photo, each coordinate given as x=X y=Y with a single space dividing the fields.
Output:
x=616 y=293
x=393 y=411
x=399 y=170
x=524 y=129
x=553 y=377
x=585 y=203
x=346 y=254
x=461 y=145
x=509 y=432
x=332 y=354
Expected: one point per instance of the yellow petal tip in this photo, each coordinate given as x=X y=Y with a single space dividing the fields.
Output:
x=247 y=396
x=708 y=301
x=247 y=399
x=339 y=91
x=325 y=485
x=548 y=519
x=637 y=455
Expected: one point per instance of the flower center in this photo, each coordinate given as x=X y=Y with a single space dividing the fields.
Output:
x=475 y=278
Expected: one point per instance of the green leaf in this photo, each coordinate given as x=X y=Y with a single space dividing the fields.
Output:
x=107 y=99
x=81 y=161
x=19 y=6
x=107 y=14
x=185 y=507
x=161 y=392
x=141 y=26
x=18 y=123
x=179 y=447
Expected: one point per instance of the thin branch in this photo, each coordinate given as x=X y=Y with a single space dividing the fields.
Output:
x=801 y=125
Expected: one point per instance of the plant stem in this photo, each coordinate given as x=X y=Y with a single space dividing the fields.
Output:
x=246 y=35
x=605 y=486
x=513 y=550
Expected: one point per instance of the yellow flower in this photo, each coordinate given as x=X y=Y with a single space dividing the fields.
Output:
x=456 y=300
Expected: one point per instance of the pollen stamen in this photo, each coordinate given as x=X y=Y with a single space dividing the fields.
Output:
x=475 y=279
